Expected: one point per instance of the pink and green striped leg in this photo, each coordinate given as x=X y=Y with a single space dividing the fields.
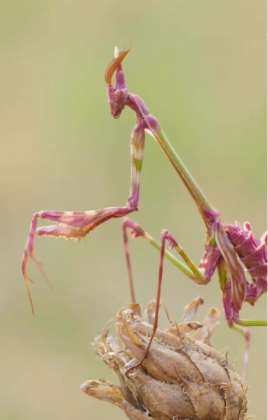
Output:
x=74 y=225
x=137 y=231
x=190 y=269
x=201 y=275
x=78 y=224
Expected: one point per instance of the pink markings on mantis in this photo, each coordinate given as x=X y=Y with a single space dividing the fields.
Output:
x=75 y=225
x=230 y=309
x=137 y=151
x=253 y=293
x=253 y=255
x=238 y=279
x=251 y=250
x=210 y=259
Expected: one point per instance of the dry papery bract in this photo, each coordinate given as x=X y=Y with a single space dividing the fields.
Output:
x=183 y=376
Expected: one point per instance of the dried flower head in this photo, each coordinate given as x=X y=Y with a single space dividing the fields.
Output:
x=183 y=377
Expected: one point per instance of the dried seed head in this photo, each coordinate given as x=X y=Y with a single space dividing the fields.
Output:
x=183 y=377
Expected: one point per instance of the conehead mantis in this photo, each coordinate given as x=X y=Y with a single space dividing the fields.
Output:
x=227 y=247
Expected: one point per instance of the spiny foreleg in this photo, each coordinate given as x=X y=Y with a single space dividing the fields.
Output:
x=78 y=224
x=74 y=225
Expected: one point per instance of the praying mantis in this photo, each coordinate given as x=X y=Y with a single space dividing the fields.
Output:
x=227 y=246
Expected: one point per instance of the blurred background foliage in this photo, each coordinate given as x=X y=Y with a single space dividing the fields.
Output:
x=201 y=68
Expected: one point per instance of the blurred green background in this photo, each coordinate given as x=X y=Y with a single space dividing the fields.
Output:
x=200 y=66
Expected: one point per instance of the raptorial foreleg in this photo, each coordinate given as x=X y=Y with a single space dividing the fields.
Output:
x=70 y=225
x=79 y=224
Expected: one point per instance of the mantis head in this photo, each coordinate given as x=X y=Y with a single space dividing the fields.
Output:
x=117 y=96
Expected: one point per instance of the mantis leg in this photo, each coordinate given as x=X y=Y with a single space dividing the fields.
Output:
x=200 y=275
x=78 y=224
x=190 y=269
x=70 y=225
x=137 y=231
